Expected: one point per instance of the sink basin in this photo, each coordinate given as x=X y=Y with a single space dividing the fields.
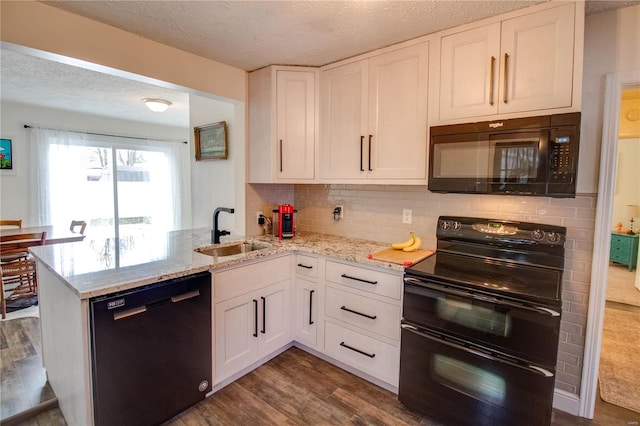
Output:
x=231 y=249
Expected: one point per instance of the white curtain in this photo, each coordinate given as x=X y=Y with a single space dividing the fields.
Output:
x=44 y=177
x=60 y=171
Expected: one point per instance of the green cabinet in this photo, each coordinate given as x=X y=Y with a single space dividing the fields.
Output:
x=624 y=249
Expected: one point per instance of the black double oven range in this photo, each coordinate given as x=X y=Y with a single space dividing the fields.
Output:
x=481 y=323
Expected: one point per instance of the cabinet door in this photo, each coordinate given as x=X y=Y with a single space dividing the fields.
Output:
x=306 y=312
x=398 y=114
x=538 y=50
x=275 y=317
x=236 y=336
x=295 y=100
x=469 y=73
x=343 y=114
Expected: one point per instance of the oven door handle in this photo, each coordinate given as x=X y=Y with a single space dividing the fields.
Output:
x=528 y=367
x=476 y=296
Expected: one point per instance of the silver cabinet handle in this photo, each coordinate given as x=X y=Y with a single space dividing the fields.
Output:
x=185 y=296
x=129 y=312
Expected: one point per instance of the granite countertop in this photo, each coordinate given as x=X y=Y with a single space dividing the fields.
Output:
x=100 y=266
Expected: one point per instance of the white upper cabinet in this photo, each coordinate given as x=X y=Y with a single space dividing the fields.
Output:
x=521 y=64
x=282 y=125
x=374 y=117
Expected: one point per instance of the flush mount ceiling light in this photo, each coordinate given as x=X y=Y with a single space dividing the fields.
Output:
x=156 y=105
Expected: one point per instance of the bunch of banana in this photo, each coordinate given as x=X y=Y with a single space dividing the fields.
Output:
x=412 y=244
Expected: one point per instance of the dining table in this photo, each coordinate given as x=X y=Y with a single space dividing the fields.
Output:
x=55 y=234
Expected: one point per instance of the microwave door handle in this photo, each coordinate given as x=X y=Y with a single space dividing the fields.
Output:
x=493 y=300
x=477 y=352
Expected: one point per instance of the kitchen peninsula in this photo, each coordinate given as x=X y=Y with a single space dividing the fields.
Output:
x=70 y=275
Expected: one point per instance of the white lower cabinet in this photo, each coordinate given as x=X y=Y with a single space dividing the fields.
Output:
x=362 y=319
x=254 y=324
x=347 y=312
x=369 y=314
x=372 y=356
x=308 y=302
x=306 y=312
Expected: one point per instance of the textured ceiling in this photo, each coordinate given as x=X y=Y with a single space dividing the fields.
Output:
x=34 y=81
x=252 y=34
x=244 y=34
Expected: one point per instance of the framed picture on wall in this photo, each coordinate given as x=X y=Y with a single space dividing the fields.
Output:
x=6 y=154
x=211 y=141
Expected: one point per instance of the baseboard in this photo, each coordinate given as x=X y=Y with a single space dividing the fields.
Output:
x=219 y=385
x=567 y=402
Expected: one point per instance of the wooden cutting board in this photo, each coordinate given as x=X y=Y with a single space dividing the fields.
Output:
x=402 y=257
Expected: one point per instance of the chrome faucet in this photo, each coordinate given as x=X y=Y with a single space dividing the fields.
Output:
x=216 y=233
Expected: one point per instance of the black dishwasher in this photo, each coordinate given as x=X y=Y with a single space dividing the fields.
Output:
x=151 y=351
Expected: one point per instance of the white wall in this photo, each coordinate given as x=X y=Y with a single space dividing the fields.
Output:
x=14 y=187
x=627 y=190
x=612 y=43
x=219 y=183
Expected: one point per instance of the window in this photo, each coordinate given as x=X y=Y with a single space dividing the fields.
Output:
x=119 y=186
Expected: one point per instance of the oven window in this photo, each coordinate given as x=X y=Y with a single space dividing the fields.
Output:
x=474 y=317
x=468 y=379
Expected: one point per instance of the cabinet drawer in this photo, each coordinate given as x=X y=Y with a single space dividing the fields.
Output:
x=365 y=353
x=240 y=280
x=307 y=265
x=372 y=315
x=381 y=283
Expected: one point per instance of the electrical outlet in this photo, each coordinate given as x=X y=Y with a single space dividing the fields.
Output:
x=406 y=215
x=258 y=214
x=341 y=207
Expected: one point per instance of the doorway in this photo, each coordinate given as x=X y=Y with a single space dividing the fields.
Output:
x=615 y=84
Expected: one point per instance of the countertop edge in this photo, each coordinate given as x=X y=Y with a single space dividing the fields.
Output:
x=336 y=247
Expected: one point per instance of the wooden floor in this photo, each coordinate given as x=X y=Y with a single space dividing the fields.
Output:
x=297 y=388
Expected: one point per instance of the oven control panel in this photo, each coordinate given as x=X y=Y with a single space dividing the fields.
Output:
x=484 y=230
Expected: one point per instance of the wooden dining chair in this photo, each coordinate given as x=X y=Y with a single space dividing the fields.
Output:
x=17 y=281
x=75 y=223
x=13 y=247
x=18 y=278
x=11 y=222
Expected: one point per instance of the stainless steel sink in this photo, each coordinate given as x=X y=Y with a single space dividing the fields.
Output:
x=231 y=249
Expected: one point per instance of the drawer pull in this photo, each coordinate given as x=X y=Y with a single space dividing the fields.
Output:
x=264 y=315
x=311 y=307
x=305 y=266
x=359 y=279
x=344 y=308
x=255 y=313
x=344 y=345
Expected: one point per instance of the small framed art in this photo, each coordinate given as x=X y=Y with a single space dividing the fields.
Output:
x=211 y=141
x=6 y=154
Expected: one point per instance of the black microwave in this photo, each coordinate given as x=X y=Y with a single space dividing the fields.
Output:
x=520 y=156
